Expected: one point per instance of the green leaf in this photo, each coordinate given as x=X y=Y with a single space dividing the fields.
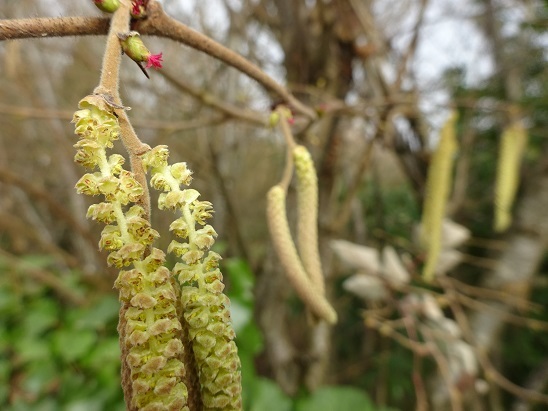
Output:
x=9 y=301
x=72 y=344
x=39 y=260
x=241 y=280
x=44 y=404
x=241 y=315
x=99 y=314
x=266 y=394
x=42 y=314
x=336 y=398
x=249 y=339
x=105 y=354
x=31 y=350
x=87 y=404
x=39 y=377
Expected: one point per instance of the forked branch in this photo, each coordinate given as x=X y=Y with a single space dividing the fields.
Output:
x=158 y=23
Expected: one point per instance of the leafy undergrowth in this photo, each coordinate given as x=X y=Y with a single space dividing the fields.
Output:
x=57 y=356
x=54 y=356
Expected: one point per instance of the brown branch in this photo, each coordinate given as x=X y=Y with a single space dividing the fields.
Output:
x=158 y=24
x=411 y=49
x=506 y=316
x=416 y=376
x=19 y=231
x=108 y=88
x=229 y=110
x=135 y=148
x=487 y=293
x=53 y=27
x=443 y=364
x=146 y=123
x=419 y=348
x=491 y=372
x=231 y=209
x=110 y=68
x=56 y=208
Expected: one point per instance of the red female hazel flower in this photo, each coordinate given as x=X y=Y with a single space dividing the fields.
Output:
x=133 y=46
x=154 y=60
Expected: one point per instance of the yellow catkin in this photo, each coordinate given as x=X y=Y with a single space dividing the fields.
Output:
x=437 y=193
x=287 y=253
x=307 y=210
x=512 y=146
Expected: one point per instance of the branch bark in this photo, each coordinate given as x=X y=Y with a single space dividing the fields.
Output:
x=53 y=27
x=158 y=24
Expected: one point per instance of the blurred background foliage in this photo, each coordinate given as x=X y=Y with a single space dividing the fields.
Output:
x=384 y=76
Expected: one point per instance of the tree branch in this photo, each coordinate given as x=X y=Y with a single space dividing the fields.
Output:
x=158 y=24
x=228 y=109
x=53 y=27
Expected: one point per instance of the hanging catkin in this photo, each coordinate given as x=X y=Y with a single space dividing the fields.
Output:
x=307 y=209
x=438 y=185
x=287 y=253
x=512 y=146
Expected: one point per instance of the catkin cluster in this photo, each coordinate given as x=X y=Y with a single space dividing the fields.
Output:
x=152 y=349
x=205 y=307
x=301 y=263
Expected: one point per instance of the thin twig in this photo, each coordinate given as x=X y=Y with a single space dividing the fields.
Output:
x=418 y=381
x=234 y=219
x=140 y=123
x=108 y=87
x=487 y=293
x=491 y=372
x=160 y=24
x=412 y=47
x=38 y=194
x=443 y=365
x=230 y=110
x=379 y=324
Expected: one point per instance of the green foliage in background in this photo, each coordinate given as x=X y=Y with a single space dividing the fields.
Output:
x=55 y=356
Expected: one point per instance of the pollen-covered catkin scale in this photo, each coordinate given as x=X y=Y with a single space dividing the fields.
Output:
x=205 y=307
x=307 y=208
x=152 y=326
x=149 y=339
x=287 y=253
